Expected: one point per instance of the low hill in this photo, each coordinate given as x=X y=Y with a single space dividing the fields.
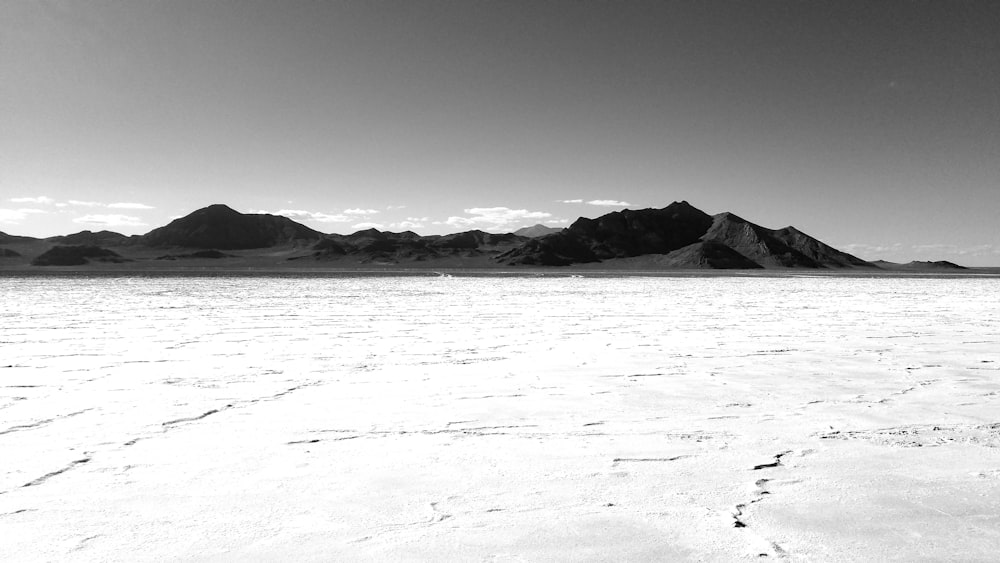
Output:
x=219 y=226
x=536 y=231
x=100 y=238
x=76 y=256
x=918 y=265
x=374 y=246
x=7 y=239
x=8 y=253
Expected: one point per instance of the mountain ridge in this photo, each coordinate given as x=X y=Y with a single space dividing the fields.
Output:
x=678 y=236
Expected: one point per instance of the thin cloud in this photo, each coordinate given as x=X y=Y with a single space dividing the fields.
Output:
x=361 y=211
x=410 y=223
x=608 y=203
x=303 y=215
x=569 y=201
x=127 y=205
x=15 y=216
x=78 y=203
x=40 y=200
x=496 y=218
x=112 y=220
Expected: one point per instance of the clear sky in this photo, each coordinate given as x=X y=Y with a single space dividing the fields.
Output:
x=874 y=126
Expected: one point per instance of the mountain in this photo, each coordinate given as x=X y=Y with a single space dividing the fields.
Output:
x=536 y=231
x=7 y=239
x=619 y=234
x=374 y=246
x=219 y=226
x=686 y=237
x=100 y=238
x=8 y=253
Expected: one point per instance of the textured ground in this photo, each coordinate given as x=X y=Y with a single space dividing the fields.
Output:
x=492 y=418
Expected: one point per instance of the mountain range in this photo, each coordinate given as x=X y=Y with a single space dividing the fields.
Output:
x=678 y=236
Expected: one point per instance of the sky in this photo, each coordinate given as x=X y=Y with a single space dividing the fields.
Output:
x=873 y=126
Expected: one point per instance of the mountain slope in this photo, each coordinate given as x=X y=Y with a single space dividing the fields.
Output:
x=219 y=226
x=619 y=234
x=686 y=237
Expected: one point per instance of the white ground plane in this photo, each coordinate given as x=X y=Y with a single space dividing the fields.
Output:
x=341 y=418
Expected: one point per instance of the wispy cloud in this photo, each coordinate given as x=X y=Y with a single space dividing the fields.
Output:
x=496 y=218
x=360 y=211
x=112 y=220
x=45 y=200
x=599 y=202
x=302 y=215
x=608 y=203
x=15 y=216
x=39 y=200
x=410 y=223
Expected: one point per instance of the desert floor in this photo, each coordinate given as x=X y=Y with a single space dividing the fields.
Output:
x=615 y=418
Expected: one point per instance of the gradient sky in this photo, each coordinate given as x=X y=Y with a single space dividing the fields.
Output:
x=874 y=126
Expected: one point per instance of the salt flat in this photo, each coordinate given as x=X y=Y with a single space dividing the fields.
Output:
x=499 y=418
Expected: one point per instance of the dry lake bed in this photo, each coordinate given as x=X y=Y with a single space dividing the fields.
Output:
x=499 y=418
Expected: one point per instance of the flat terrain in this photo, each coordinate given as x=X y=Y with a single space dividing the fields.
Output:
x=719 y=418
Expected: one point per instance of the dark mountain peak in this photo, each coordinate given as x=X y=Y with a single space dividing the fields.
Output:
x=368 y=233
x=220 y=226
x=618 y=234
x=220 y=208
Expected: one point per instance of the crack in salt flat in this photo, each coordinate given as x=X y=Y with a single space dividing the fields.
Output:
x=41 y=423
x=650 y=459
x=194 y=418
x=921 y=435
x=775 y=463
x=52 y=474
x=760 y=492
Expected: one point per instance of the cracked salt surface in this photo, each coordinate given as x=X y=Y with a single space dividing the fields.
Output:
x=298 y=418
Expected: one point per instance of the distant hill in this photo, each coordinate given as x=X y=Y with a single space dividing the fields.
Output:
x=7 y=239
x=76 y=255
x=536 y=231
x=219 y=226
x=374 y=246
x=917 y=265
x=687 y=237
x=100 y=238
x=8 y=253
